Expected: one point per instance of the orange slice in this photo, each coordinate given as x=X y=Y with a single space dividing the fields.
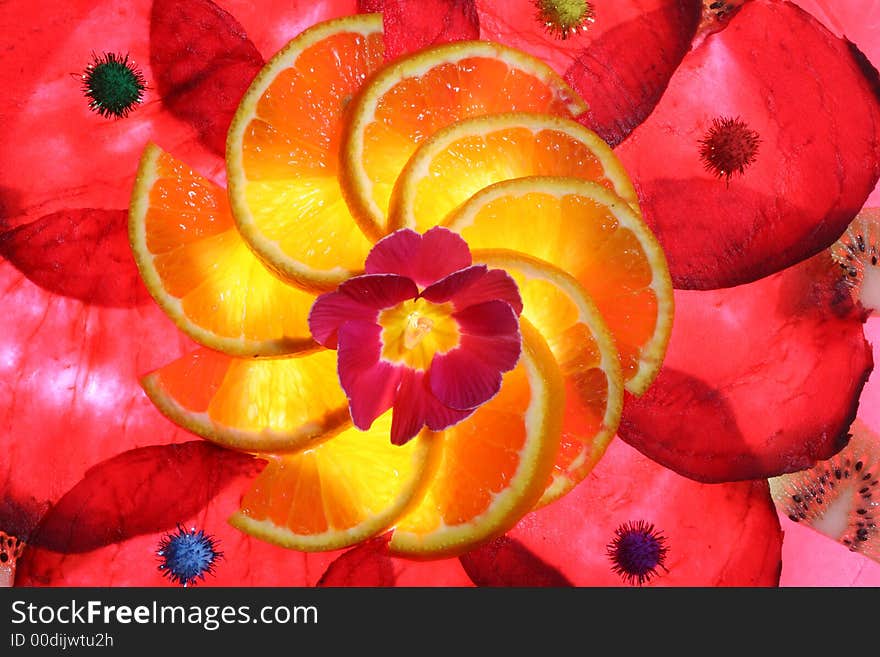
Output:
x=594 y=235
x=341 y=492
x=494 y=465
x=265 y=405
x=461 y=159
x=282 y=153
x=414 y=97
x=200 y=271
x=559 y=307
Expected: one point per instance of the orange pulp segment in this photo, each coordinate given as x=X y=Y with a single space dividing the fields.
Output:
x=494 y=465
x=594 y=235
x=200 y=271
x=339 y=493
x=254 y=405
x=559 y=307
x=282 y=153
x=414 y=97
x=459 y=160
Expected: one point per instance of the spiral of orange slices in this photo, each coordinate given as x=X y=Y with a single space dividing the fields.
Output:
x=331 y=150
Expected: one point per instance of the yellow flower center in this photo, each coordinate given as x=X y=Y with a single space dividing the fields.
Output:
x=415 y=330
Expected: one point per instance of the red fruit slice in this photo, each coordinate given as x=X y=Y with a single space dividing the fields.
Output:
x=758 y=380
x=620 y=81
x=203 y=70
x=134 y=561
x=507 y=562
x=81 y=253
x=716 y=535
x=367 y=564
x=812 y=101
x=410 y=25
x=141 y=491
x=69 y=385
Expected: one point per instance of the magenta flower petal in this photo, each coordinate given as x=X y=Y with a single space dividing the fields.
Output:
x=357 y=299
x=369 y=383
x=715 y=534
x=423 y=258
x=470 y=374
x=473 y=285
x=414 y=24
x=620 y=81
x=202 y=71
x=758 y=380
x=415 y=406
x=799 y=113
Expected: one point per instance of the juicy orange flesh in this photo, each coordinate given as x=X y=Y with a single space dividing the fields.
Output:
x=416 y=107
x=582 y=237
x=336 y=485
x=480 y=457
x=202 y=260
x=414 y=331
x=290 y=153
x=471 y=163
x=278 y=395
x=577 y=352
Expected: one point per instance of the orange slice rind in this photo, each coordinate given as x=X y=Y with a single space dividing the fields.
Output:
x=415 y=96
x=562 y=311
x=339 y=493
x=461 y=159
x=200 y=271
x=596 y=237
x=282 y=153
x=253 y=405
x=494 y=466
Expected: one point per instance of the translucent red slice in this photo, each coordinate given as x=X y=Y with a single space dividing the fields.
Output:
x=620 y=64
x=410 y=25
x=133 y=560
x=812 y=101
x=758 y=380
x=717 y=535
x=203 y=71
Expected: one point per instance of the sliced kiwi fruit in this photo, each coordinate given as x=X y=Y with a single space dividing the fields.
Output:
x=857 y=252
x=839 y=497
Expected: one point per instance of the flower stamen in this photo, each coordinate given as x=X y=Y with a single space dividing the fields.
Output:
x=729 y=147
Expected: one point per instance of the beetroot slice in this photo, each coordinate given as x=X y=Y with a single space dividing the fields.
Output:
x=507 y=562
x=367 y=564
x=810 y=98
x=758 y=380
x=716 y=534
x=410 y=25
x=69 y=385
x=81 y=253
x=620 y=64
x=202 y=71
x=133 y=560
x=139 y=492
